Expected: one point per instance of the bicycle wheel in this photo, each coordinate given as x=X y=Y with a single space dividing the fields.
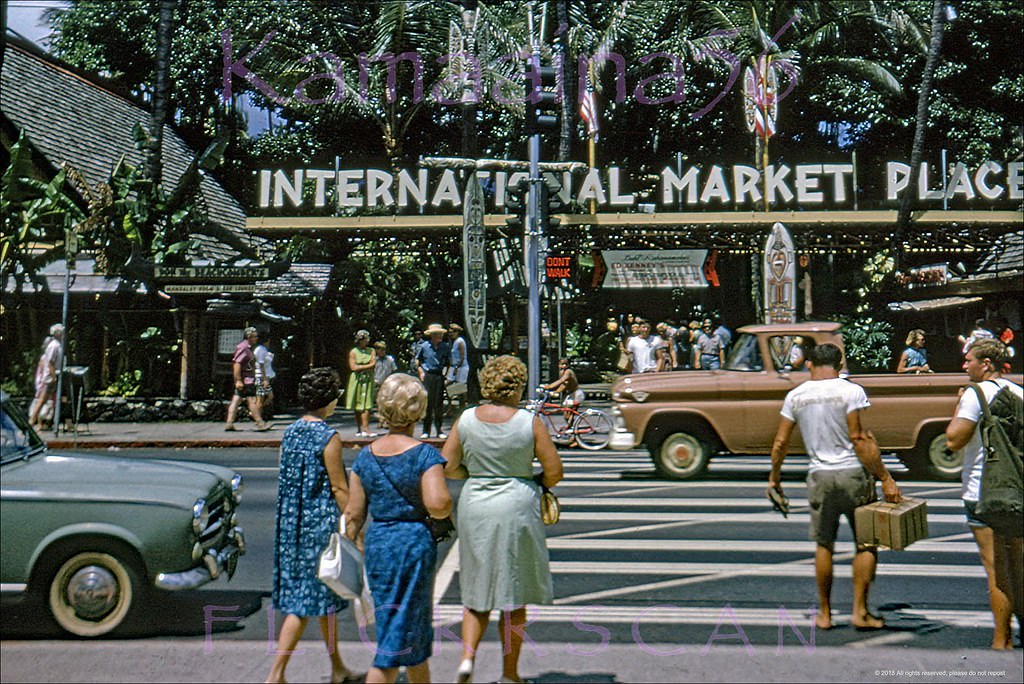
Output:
x=557 y=428
x=593 y=429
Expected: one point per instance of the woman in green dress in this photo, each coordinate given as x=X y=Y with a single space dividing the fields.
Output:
x=503 y=554
x=359 y=396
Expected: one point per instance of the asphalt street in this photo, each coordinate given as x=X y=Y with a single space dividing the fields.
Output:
x=654 y=581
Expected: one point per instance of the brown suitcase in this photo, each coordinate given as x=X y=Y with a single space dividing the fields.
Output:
x=892 y=526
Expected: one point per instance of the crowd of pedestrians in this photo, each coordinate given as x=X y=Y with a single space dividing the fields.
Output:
x=698 y=345
x=397 y=482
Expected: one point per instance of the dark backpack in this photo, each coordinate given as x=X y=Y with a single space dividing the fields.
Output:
x=1001 y=502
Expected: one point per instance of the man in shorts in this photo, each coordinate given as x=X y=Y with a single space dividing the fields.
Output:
x=844 y=457
x=243 y=365
x=1002 y=554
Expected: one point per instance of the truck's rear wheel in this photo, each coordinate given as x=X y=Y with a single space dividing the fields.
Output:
x=681 y=456
x=933 y=460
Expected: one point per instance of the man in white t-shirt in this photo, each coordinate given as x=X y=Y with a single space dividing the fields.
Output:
x=640 y=348
x=1001 y=555
x=844 y=456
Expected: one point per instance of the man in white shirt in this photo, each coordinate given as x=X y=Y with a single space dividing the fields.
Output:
x=46 y=375
x=641 y=349
x=1001 y=555
x=844 y=456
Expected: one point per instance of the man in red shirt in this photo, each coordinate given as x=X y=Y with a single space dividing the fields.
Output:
x=243 y=365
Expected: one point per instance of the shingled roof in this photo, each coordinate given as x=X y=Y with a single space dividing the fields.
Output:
x=69 y=117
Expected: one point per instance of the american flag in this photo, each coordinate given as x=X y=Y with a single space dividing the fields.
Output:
x=588 y=111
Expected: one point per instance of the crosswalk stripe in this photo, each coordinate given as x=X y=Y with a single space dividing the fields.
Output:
x=748 y=502
x=761 y=517
x=742 y=545
x=725 y=615
x=760 y=569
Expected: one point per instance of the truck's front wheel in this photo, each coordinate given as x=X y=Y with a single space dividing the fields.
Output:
x=932 y=459
x=681 y=456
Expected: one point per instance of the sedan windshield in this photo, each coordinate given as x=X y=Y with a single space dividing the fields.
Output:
x=17 y=439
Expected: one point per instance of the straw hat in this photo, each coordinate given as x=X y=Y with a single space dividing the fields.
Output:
x=435 y=328
x=454 y=327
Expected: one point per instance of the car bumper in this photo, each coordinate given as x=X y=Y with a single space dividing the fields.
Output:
x=215 y=562
x=622 y=441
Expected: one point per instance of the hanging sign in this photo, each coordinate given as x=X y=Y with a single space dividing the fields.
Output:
x=474 y=301
x=662 y=269
x=779 y=277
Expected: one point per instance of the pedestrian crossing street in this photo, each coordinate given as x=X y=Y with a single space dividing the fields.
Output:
x=634 y=552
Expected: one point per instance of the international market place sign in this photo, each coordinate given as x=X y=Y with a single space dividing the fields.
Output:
x=794 y=187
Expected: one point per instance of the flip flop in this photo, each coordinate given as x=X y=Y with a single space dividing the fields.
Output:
x=780 y=502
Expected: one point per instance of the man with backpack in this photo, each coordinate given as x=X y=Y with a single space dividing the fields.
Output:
x=993 y=500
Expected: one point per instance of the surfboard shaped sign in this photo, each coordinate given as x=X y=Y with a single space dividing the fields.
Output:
x=779 y=277
x=474 y=264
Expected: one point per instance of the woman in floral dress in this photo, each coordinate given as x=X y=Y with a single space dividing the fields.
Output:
x=399 y=481
x=311 y=492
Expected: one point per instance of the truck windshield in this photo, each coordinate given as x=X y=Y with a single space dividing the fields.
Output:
x=745 y=355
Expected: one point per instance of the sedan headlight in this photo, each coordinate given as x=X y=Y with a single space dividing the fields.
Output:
x=200 y=516
x=237 y=487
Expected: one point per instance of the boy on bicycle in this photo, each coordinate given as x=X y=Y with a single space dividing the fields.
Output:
x=569 y=388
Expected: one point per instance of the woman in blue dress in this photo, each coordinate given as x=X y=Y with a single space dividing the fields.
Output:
x=915 y=357
x=400 y=481
x=311 y=492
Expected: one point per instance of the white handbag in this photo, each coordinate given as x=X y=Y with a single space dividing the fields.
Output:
x=341 y=565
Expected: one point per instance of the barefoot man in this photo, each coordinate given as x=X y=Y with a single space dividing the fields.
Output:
x=843 y=460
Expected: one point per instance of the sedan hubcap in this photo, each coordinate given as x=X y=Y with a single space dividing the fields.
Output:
x=92 y=592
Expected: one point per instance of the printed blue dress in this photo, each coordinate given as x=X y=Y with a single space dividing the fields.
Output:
x=307 y=514
x=400 y=553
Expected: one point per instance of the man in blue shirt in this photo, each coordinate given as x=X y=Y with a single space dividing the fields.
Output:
x=432 y=361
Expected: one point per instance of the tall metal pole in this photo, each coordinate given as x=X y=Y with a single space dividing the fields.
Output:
x=69 y=263
x=533 y=232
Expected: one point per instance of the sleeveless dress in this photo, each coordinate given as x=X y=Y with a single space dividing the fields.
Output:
x=916 y=358
x=359 y=396
x=307 y=514
x=503 y=555
x=400 y=553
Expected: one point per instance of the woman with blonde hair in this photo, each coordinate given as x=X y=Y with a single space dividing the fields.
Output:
x=400 y=482
x=503 y=555
x=914 y=358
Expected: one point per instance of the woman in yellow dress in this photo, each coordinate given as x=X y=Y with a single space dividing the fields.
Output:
x=359 y=397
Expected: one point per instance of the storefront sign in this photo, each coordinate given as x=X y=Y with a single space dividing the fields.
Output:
x=666 y=268
x=779 y=277
x=209 y=288
x=708 y=186
x=219 y=274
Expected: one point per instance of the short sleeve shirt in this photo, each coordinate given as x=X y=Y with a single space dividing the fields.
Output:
x=974 y=450
x=244 y=357
x=643 y=353
x=820 y=408
x=433 y=359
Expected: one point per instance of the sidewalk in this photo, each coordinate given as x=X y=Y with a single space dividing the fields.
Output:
x=199 y=434
x=221 y=660
x=195 y=434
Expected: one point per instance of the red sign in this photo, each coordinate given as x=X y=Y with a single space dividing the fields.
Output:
x=558 y=267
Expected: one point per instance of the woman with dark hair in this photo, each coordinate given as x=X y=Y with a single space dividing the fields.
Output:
x=311 y=493
x=359 y=398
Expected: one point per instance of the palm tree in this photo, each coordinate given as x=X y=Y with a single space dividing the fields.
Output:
x=920 y=126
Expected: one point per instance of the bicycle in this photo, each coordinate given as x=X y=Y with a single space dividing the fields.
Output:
x=590 y=428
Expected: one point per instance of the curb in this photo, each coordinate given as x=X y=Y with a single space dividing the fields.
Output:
x=61 y=444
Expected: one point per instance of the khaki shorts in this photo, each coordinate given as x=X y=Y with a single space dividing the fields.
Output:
x=835 y=493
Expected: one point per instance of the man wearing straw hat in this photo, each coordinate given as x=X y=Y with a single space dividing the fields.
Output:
x=432 y=361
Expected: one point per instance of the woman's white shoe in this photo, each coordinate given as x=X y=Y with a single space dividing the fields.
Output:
x=465 y=672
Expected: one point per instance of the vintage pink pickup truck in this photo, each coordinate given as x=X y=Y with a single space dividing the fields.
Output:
x=685 y=417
